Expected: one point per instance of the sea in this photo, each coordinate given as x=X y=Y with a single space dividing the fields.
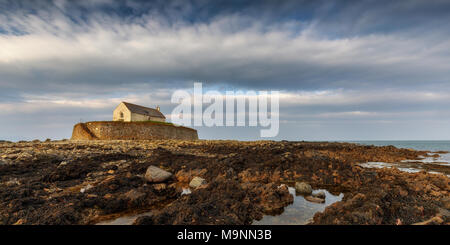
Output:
x=425 y=145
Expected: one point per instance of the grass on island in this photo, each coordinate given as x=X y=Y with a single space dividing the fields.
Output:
x=158 y=122
x=148 y=121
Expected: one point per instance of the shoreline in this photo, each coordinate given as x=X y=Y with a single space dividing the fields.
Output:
x=42 y=182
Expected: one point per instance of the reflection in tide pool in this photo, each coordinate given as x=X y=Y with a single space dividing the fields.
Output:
x=430 y=164
x=387 y=165
x=126 y=220
x=129 y=220
x=301 y=211
x=186 y=191
x=442 y=159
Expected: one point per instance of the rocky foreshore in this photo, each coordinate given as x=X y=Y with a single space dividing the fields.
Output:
x=231 y=182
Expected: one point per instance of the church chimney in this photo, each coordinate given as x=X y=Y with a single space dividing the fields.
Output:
x=157 y=108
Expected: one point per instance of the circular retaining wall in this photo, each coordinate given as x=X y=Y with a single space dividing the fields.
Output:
x=113 y=130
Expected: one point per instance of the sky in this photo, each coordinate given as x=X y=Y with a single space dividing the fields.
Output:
x=345 y=70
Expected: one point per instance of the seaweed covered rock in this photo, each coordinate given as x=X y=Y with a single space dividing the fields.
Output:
x=46 y=183
x=222 y=202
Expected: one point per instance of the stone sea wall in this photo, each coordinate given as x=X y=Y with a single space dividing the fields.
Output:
x=110 y=130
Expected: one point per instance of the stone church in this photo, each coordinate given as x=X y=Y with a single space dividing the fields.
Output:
x=127 y=112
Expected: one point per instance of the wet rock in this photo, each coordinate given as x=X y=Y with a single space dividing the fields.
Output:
x=197 y=182
x=303 y=188
x=444 y=214
x=155 y=175
x=433 y=221
x=320 y=195
x=357 y=200
x=272 y=198
x=314 y=199
x=144 y=220
x=160 y=187
x=52 y=189
x=446 y=202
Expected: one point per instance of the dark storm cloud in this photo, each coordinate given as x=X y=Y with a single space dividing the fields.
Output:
x=283 y=45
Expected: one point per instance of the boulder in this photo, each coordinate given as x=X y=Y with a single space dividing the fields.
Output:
x=303 y=188
x=156 y=175
x=196 y=182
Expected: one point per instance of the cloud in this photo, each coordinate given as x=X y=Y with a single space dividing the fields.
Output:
x=367 y=61
x=58 y=53
x=295 y=106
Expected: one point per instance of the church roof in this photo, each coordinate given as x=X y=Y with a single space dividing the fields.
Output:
x=143 y=110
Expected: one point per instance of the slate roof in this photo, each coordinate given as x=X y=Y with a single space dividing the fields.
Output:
x=143 y=110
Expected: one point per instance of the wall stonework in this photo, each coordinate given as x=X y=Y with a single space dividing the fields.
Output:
x=115 y=130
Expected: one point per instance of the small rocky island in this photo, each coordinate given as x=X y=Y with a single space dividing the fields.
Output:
x=145 y=130
x=133 y=122
x=229 y=182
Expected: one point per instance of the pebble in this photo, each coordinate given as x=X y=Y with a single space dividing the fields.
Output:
x=197 y=182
